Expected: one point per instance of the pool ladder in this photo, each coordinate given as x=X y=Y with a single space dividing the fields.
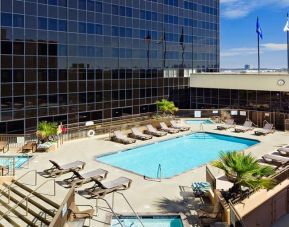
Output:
x=202 y=127
x=159 y=172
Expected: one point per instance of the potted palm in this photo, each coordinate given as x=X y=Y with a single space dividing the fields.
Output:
x=244 y=170
x=166 y=107
x=45 y=130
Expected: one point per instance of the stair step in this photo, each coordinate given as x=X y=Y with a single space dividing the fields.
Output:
x=19 y=215
x=33 y=202
x=50 y=202
x=33 y=213
x=8 y=219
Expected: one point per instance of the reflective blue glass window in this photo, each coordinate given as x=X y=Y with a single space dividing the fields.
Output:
x=90 y=28
x=18 y=20
x=90 y=5
x=52 y=2
x=81 y=27
x=42 y=23
x=121 y=10
x=52 y=24
x=62 y=25
x=114 y=9
x=6 y=19
x=128 y=12
x=98 y=7
x=98 y=52
x=114 y=31
x=82 y=4
x=98 y=29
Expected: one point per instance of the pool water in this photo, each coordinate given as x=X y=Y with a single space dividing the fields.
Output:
x=196 y=122
x=150 y=222
x=8 y=160
x=177 y=155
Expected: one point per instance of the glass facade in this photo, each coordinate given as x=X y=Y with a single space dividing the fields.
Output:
x=78 y=60
x=208 y=98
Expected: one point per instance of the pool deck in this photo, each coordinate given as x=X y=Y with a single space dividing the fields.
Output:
x=145 y=196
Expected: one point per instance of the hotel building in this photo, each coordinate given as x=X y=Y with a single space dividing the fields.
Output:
x=73 y=61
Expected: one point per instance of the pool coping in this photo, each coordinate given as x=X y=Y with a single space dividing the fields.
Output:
x=171 y=138
x=182 y=216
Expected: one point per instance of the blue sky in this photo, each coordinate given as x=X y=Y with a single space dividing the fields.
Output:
x=238 y=33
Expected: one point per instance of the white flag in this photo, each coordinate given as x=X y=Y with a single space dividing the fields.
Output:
x=286 y=28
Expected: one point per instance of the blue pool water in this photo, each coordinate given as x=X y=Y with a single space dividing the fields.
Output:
x=176 y=155
x=19 y=160
x=151 y=222
x=195 y=122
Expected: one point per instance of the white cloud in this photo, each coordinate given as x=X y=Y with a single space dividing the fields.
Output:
x=246 y=51
x=233 y=9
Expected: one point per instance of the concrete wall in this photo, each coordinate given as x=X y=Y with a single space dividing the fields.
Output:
x=264 y=82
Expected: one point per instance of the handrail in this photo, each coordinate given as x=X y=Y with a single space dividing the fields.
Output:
x=10 y=185
x=201 y=127
x=159 y=172
x=130 y=207
x=26 y=198
x=112 y=211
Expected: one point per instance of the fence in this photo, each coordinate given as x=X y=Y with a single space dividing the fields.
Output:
x=7 y=165
x=280 y=120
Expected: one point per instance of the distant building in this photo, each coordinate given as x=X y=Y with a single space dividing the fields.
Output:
x=247 y=67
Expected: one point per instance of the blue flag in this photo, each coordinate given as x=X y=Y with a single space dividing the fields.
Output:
x=258 y=29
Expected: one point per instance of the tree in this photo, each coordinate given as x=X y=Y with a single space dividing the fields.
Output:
x=166 y=107
x=45 y=130
x=244 y=170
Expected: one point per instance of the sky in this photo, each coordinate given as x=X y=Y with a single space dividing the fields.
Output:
x=239 y=38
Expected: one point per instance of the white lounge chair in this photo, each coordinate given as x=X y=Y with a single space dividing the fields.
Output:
x=152 y=131
x=176 y=126
x=57 y=170
x=165 y=128
x=228 y=124
x=135 y=133
x=121 y=138
x=268 y=128
x=275 y=159
x=247 y=126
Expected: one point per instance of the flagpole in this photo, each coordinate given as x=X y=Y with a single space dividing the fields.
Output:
x=258 y=41
x=287 y=48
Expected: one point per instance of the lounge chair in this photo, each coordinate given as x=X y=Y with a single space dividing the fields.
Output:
x=136 y=134
x=176 y=126
x=76 y=214
x=78 y=179
x=275 y=160
x=268 y=128
x=165 y=128
x=121 y=138
x=3 y=145
x=228 y=124
x=283 y=151
x=29 y=146
x=99 y=190
x=247 y=126
x=152 y=131
x=57 y=170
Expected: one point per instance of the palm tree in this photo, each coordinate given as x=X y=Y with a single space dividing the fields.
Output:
x=244 y=170
x=166 y=107
x=45 y=130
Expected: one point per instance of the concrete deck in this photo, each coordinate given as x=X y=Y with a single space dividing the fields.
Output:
x=145 y=196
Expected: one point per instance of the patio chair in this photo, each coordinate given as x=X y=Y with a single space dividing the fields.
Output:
x=137 y=134
x=29 y=146
x=76 y=214
x=268 y=128
x=247 y=126
x=176 y=126
x=121 y=138
x=152 y=131
x=99 y=190
x=3 y=145
x=228 y=124
x=57 y=170
x=275 y=160
x=165 y=128
x=78 y=179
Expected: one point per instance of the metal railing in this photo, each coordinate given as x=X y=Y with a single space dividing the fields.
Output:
x=128 y=203
x=27 y=197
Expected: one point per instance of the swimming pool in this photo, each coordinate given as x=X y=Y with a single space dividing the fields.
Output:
x=19 y=160
x=151 y=221
x=175 y=156
x=199 y=121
